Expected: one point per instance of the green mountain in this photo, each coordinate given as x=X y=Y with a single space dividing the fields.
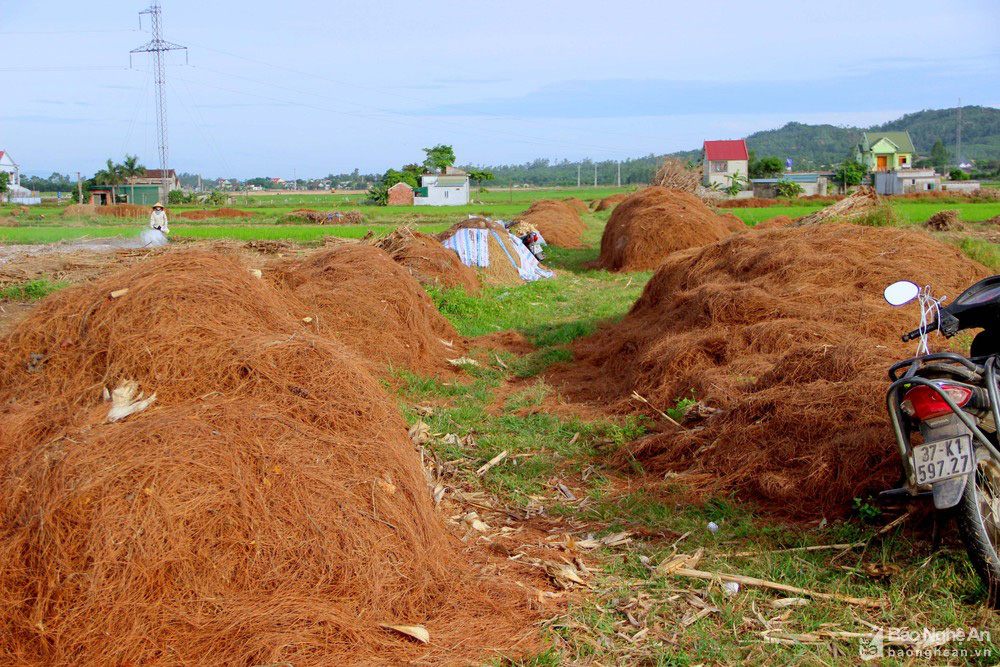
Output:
x=809 y=146
x=814 y=146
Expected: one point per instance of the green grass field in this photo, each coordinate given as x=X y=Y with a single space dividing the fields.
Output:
x=271 y=218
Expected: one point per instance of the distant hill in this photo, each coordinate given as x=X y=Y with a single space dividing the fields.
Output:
x=813 y=146
x=809 y=146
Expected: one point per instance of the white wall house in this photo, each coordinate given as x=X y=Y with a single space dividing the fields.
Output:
x=723 y=161
x=8 y=165
x=448 y=189
x=16 y=194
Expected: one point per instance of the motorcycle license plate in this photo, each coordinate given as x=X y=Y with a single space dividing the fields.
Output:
x=935 y=461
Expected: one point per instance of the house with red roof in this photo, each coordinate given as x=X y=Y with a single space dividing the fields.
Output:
x=724 y=161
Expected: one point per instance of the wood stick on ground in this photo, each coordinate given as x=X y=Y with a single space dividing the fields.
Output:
x=492 y=462
x=763 y=583
x=663 y=414
x=822 y=547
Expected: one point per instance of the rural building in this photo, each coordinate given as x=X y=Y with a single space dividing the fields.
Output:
x=164 y=181
x=885 y=151
x=448 y=189
x=920 y=180
x=140 y=195
x=961 y=186
x=812 y=183
x=724 y=160
x=8 y=165
x=16 y=193
x=905 y=181
x=400 y=194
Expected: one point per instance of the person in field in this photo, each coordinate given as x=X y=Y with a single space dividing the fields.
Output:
x=158 y=219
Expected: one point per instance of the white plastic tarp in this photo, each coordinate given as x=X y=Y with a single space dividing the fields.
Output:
x=472 y=246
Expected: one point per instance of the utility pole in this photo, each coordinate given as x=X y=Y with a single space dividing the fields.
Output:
x=619 y=173
x=158 y=46
x=79 y=189
x=958 y=135
x=578 y=165
x=595 y=174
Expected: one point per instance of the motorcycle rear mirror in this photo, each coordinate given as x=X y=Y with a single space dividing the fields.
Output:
x=900 y=293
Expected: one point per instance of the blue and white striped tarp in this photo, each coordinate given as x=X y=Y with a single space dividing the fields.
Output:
x=472 y=246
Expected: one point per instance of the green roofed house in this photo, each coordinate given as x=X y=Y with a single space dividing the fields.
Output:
x=885 y=151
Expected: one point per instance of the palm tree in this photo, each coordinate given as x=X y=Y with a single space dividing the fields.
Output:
x=103 y=177
x=113 y=176
x=131 y=169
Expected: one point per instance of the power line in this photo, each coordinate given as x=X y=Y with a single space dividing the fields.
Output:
x=62 y=32
x=81 y=68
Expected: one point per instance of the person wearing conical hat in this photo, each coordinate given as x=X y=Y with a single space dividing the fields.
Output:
x=158 y=218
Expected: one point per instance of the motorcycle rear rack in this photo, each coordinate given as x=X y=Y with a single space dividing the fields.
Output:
x=893 y=395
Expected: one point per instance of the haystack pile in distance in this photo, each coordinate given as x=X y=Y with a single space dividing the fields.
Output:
x=655 y=222
x=266 y=508
x=610 y=202
x=861 y=202
x=112 y=211
x=578 y=204
x=353 y=217
x=675 y=175
x=213 y=213
x=784 y=330
x=558 y=222
x=428 y=261
x=945 y=221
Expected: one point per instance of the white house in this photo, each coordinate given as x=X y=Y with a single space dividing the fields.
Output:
x=16 y=194
x=448 y=189
x=723 y=161
x=8 y=165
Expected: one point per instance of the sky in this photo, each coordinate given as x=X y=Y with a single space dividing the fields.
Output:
x=304 y=89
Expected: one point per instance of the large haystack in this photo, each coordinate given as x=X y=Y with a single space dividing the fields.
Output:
x=267 y=508
x=428 y=261
x=655 y=222
x=557 y=221
x=356 y=293
x=784 y=330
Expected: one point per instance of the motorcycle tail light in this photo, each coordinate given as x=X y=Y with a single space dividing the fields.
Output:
x=923 y=403
x=534 y=237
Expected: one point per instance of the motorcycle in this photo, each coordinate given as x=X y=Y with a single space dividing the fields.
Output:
x=954 y=403
x=533 y=243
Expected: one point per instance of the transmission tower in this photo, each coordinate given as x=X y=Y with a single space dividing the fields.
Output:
x=158 y=46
